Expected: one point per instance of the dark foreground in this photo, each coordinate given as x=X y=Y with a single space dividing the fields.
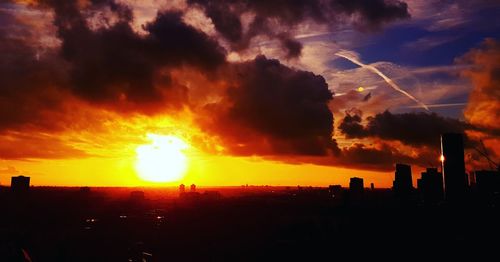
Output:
x=271 y=224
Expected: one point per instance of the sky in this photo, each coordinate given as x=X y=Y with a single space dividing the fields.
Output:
x=259 y=92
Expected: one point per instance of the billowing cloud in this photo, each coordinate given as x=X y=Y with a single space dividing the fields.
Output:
x=28 y=79
x=115 y=64
x=416 y=129
x=273 y=109
x=483 y=107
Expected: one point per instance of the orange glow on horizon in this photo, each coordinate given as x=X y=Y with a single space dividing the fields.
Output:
x=104 y=153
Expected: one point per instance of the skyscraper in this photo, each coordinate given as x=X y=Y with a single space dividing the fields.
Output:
x=403 y=184
x=452 y=159
x=431 y=186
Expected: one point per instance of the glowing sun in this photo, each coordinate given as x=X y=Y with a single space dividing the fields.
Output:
x=162 y=160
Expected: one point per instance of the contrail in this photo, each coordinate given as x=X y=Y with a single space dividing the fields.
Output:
x=391 y=83
x=440 y=105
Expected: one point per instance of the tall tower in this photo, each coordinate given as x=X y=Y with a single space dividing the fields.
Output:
x=453 y=164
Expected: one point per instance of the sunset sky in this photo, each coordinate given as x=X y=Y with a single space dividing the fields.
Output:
x=233 y=92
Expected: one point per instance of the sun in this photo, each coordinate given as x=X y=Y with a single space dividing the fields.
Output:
x=162 y=160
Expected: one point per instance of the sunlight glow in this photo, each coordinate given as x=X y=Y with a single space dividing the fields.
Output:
x=163 y=160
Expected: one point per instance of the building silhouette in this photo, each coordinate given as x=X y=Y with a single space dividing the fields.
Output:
x=356 y=185
x=430 y=186
x=137 y=196
x=212 y=195
x=84 y=190
x=453 y=166
x=487 y=182
x=402 y=184
x=335 y=190
x=20 y=183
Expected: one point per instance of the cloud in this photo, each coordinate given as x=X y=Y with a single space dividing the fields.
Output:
x=441 y=15
x=94 y=55
x=26 y=146
x=9 y=170
x=429 y=42
x=115 y=64
x=415 y=129
x=29 y=79
x=483 y=107
x=273 y=109
x=380 y=157
x=272 y=18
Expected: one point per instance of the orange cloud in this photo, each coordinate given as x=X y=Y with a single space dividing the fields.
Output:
x=483 y=107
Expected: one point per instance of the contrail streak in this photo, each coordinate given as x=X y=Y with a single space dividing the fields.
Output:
x=440 y=105
x=386 y=79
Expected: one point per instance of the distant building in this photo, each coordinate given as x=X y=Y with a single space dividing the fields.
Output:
x=20 y=183
x=84 y=190
x=193 y=188
x=137 y=195
x=190 y=196
x=372 y=186
x=334 y=190
x=431 y=186
x=356 y=185
x=453 y=166
x=402 y=184
x=182 y=189
x=487 y=182
x=212 y=195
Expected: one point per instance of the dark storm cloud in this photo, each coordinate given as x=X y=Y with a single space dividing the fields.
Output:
x=28 y=79
x=226 y=16
x=114 y=63
x=381 y=158
x=292 y=47
x=416 y=129
x=274 y=109
x=111 y=65
x=378 y=156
